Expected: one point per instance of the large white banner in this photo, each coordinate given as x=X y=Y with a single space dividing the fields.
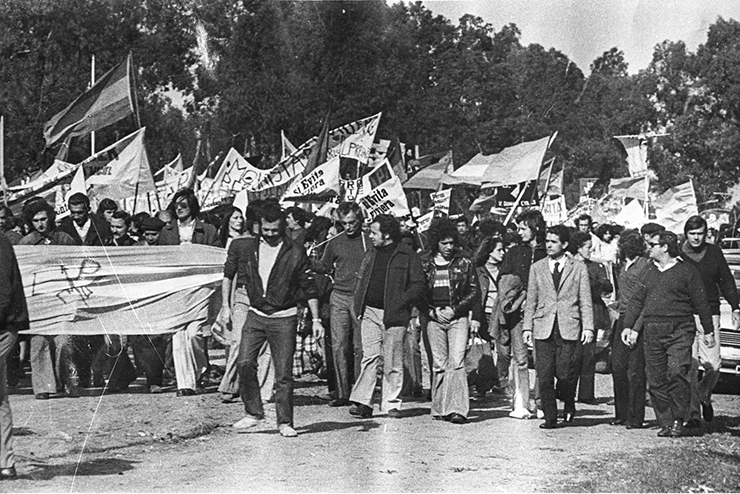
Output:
x=118 y=290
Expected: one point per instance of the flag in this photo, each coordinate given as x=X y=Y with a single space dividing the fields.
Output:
x=172 y=168
x=585 y=186
x=108 y=101
x=636 y=149
x=628 y=188
x=286 y=147
x=168 y=187
x=320 y=148
x=241 y=201
x=122 y=169
x=321 y=183
x=357 y=146
x=631 y=216
x=674 y=206
x=550 y=183
x=395 y=158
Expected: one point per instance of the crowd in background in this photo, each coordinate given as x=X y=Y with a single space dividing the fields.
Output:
x=473 y=304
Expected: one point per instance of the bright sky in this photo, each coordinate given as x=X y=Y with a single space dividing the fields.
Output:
x=584 y=29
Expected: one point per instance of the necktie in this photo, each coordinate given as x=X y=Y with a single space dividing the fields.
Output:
x=556 y=276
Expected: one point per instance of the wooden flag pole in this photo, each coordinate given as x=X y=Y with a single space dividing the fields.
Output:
x=516 y=204
x=3 y=183
x=92 y=83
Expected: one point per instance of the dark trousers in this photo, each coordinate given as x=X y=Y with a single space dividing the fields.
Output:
x=122 y=371
x=585 y=374
x=150 y=354
x=628 y=375
x=280 y=334
x=556 y=358
x=668 y=358
x=346 y=343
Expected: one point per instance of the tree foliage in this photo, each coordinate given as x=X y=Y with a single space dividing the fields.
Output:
x=440 y=84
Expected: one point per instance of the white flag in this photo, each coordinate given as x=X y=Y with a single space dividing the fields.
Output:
x=636 y=148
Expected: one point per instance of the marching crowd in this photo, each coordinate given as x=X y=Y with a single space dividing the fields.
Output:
x=358 y=296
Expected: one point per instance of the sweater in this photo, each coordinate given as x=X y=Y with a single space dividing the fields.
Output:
x=715 y=273
x=676 y=293
x=342 y=259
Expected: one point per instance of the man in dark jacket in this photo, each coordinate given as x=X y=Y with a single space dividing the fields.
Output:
x=13 y=318
x=391 y=281
x=709 y=260
x=84 y=227
x=276 y=274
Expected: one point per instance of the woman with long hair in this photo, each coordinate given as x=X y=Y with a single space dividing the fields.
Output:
x=232 y=226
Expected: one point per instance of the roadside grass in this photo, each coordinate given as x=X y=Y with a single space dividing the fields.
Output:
x=710 y=463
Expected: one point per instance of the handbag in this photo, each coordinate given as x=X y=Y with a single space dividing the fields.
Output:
x=479 y=365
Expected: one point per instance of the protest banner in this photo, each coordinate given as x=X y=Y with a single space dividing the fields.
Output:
x=384 y=193
x=554 y=211
x=132 y=290
x=321 y=183
x=585 y=186
x=441 y=201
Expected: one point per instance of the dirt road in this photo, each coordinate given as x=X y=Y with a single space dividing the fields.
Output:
x=161 y=443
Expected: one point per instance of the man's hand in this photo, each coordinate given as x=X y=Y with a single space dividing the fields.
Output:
x=629 y=337
x=709 y=340
x=736 y=319
x=318 y=329
x=587 y=336
x=527 y=335
x=445 y=314
x=474 y=328
x=224 y=317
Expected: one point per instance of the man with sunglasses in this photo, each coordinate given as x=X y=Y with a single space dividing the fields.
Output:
x=342 y=259
x=670 y=293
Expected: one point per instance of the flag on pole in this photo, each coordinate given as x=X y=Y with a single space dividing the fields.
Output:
x=122 y=169
x=320 y=148
x=636 y=149
x=628 y=187
x=286 y=147
x=107 y=101
x=395 y=158
x=674 y=206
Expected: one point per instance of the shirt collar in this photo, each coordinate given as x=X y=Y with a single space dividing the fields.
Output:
x=668 y=266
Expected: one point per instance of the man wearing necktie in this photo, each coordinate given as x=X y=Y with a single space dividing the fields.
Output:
x=559 y=316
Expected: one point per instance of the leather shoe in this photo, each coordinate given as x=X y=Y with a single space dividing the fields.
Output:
x=707 y=410
x=394 y=413
x=693 y=424
x=664 y=432
x=618 y=422
x=549 y=424
x=636 y=425
x=678 y=430
x=8 y=473
x=360 y=410
x=339 y=403
x=456 y=418
x=42 y=396
x=185 y=392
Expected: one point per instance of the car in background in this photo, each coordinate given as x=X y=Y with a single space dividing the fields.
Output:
x=731 y=249
x=729 y=338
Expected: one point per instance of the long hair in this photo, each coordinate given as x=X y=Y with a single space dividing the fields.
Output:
x=190 y=197
x=223 y=231
x=33 y=208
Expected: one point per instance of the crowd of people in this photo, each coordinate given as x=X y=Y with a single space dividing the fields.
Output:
x=358 y=298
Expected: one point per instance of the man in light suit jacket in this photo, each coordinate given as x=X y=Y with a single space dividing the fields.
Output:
x=559 y=315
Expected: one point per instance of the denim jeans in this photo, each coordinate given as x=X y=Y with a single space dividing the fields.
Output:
x=279 y=332
x=450 y=382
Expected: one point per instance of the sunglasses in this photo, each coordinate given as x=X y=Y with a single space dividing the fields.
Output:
x=654 y=244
